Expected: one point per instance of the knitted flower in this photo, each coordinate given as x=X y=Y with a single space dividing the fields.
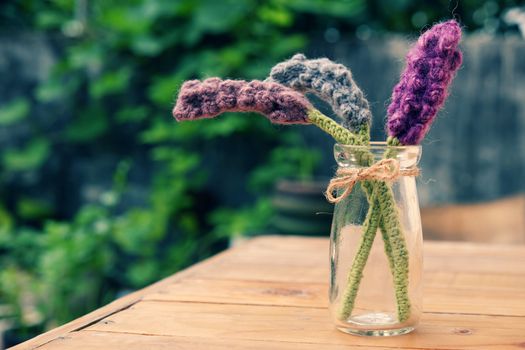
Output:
x=214 y=96
x=431 y=64
x=330 y=81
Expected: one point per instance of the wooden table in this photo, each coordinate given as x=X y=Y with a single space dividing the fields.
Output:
x=271 y=293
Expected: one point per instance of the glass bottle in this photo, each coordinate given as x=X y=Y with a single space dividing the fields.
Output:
x=375 y=286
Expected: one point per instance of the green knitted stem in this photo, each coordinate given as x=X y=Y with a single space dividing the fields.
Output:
x=340 y=134
x=372 y=221
x=369 y=188
x=356 y=271
x=396 y=241
x=386 y=243
x=398 y=245
x=386 y=239
x=382 y=213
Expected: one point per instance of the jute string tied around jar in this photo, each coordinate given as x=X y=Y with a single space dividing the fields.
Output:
x=386 y=170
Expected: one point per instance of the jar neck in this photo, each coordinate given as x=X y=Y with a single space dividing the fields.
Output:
x=353 y=156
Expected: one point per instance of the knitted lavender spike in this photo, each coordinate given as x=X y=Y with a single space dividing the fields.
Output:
x=280 y=104
x=330 y=81
x=431 y=65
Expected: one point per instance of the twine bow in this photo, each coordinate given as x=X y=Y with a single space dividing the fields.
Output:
x=385 y=170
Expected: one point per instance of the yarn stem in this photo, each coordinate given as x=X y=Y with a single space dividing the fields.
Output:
x=339 y=133
x=396 y=239
x=356 y=271
x=383 y=214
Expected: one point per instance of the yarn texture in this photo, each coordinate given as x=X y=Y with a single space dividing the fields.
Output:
x=430 y=67
x=213 y=96
x=330 y=126
x=330 y=81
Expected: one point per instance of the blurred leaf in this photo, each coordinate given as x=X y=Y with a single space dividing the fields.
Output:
x=228 y=124
x=277 y=15
x=54 y=89
x=181 y=253
x=132 y=114
x=137 y=232
x=142 y=273
x=31 y=208
x=336 y=8
x=159 y=131
x=120 y=177
x=218 y=16
x=33 y=155
x=48 y=19
x=111 y=82
x=242 y=221
x=6 y=225
x=87 y=126
x=180 y=161
x=125 y=19
x=66 y=5
x=86 y=55
x=285 y=162
x=147 y=45
x=163 y=91
x=15 y=111
x=233 y=56
x=288 y=44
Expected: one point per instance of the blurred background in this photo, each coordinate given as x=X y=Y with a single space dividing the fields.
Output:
x=102 y=192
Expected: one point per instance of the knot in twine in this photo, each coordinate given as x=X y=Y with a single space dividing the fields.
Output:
x=385 y=170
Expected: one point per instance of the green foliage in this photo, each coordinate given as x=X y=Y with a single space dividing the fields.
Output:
x=28 y=157
x=237 y=222
x=123 y=73
x=14 y=112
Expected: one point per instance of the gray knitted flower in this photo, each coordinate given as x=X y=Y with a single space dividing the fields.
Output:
x=331 y=82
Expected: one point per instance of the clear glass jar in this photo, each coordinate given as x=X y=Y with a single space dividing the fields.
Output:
x=376 y=264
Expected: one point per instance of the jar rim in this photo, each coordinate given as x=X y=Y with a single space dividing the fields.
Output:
x=380 y=145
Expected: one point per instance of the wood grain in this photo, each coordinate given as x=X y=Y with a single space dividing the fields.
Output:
x=119 y=341
x=305 y=325
x=271 y=293
x=453 y=293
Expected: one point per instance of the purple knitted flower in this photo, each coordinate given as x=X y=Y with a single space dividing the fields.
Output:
x=214 y=96
x=431 y=64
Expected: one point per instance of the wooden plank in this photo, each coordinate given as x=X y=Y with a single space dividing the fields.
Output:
x=276 y=272
x=291 y=271
x=90 y=340
x=305 y=260
x=466 y=256
x=445 y=292
x=121 y=303
x=244 y=292
x=307 y=325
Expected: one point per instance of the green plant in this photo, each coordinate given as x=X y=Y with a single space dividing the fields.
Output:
x=115 y=80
